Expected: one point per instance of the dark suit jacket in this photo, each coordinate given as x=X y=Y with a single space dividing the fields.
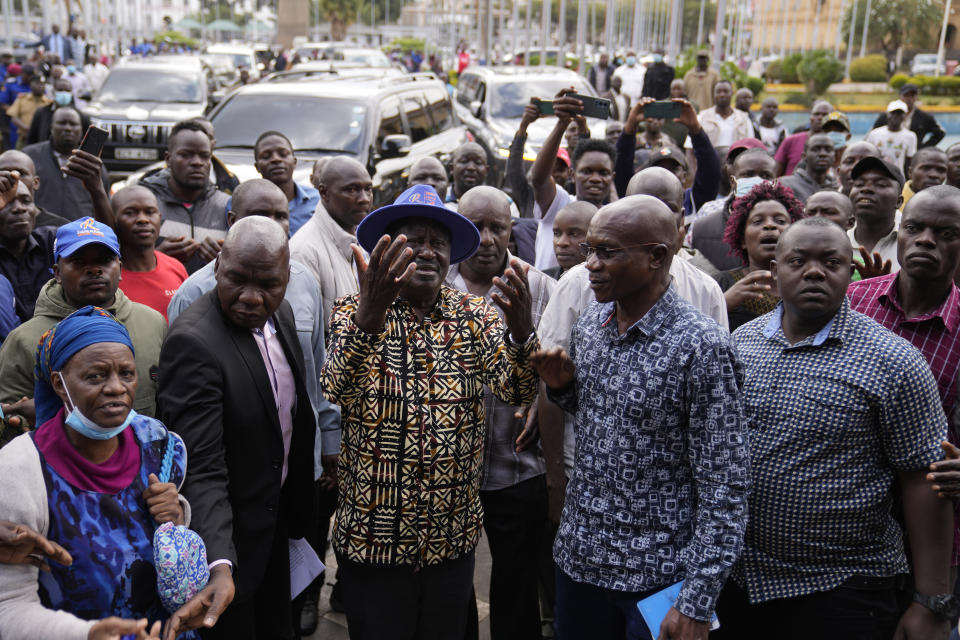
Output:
x=43 y=118
x=592 y=76
x=64 y=196
x=214 y=391
x=922 y=124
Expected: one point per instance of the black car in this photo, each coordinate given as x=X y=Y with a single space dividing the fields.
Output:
x=141 y=100
x=490 y=101
x=386 y=123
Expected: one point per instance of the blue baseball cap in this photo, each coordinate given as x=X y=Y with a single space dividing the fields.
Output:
x=421 y=201
x=80 y=233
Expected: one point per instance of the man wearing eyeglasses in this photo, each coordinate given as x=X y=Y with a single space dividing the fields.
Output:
x=658 y=492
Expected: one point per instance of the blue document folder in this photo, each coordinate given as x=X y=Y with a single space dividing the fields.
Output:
x=654 y=608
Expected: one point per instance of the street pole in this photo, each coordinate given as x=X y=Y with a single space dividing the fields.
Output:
x=487 y=24
x=814 y=44
x=674 y=48
x=635 y=40
x=853 y=28
x=866 y=29
x=610 y=23
x=544 y=32
x=943 y=37
x=581 y=36
x=514 y=31
x=783 y=28
x=703 y=4
x=839 y=35
x=562 y=32
x=526 y=47
x=718 y=35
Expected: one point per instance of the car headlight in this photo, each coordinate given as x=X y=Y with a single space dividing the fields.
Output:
x=528 y=155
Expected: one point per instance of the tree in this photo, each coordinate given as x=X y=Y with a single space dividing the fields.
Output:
x=340 y=14
x=818 y=70
x=691 y=19
x=896 y=23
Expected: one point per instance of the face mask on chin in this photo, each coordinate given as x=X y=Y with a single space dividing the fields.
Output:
x=87 y=427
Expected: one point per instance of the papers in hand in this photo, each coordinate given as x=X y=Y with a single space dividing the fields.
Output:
x=654 y=608
x=305 y=566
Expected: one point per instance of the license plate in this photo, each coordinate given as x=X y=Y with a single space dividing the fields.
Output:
x=133 y=153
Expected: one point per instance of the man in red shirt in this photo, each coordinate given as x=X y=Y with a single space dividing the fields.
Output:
x=149 y=276
x=791 y=150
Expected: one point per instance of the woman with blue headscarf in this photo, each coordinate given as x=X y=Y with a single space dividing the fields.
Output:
x=89 y=480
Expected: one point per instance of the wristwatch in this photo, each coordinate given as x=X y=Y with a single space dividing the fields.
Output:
x=944 y=605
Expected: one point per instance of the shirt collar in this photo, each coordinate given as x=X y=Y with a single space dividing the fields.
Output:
x=651 y=320
x=330 y=229
x=303 y=194
x=948 y=312
x=833 y=330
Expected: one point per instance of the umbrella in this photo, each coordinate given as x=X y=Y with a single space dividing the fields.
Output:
x=186 y=24
x=223 y=25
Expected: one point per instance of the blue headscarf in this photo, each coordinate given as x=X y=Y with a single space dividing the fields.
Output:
x=82 y=328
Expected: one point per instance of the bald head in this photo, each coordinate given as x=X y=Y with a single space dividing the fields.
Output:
x=338 y=168
x=468 y=147
x=259 y=197
x=851 y=156
x=346 y=191
x=429 y=170
x=132 y=192
x=831 y=205
x=662 y=185
x=257 y=234
x=484 y=198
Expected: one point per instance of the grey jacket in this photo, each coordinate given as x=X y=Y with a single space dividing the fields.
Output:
x=207 y=217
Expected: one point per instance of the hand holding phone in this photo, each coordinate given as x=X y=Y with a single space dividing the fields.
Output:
x=546 y=106
x=593 y=107
x=665 y=109
x=93 y=140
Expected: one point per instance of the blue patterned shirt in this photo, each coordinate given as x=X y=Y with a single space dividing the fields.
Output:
x=832 y=418
x=659 y=488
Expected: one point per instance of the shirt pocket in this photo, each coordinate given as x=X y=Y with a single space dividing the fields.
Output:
x=832 y=409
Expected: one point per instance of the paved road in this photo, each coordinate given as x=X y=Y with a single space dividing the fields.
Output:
x=333 y=626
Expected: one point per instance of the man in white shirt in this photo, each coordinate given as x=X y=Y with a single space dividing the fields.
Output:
x=723 y=124
x=631 y=74
x=896 y=142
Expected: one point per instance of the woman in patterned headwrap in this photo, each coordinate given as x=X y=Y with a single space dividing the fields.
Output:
x=87 y=479
x=756 y=221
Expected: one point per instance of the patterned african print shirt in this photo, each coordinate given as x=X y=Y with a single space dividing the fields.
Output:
x=659 y=488
x=413 y=425
x=833 y=418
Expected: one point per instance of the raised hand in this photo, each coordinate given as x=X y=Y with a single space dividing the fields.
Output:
x=554 y=367
x=752 y=286
x=636 y=115
x=203 y=609
x=531 y=113
x=163 y=501
x=381 y=279
x=688 y=116
x=515 y=300
x=565 y=107
x=86 y=168
x=873 y=266
x=19 y=544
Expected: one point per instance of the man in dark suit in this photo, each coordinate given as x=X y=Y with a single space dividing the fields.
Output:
x=57 y=43
x=928 y=130
x=600 y=74
x=232 y=385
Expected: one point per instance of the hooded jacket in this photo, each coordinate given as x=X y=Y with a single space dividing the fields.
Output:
x=18 y=354
x=206 y=217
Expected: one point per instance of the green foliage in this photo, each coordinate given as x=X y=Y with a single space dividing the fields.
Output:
x=407 y=44
x=898 y=80
x=872 y=68
x=818 y=70
x=174 y=37
x=803 y=99
x=686 y=60
x=896 y=23
x=785 y=69
x=730 y=71
x=691 y=17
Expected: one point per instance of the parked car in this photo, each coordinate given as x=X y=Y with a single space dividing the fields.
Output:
x=386 y=123
x=238 y=56
x=141 y=100
x=490 y=101
x=925 y=64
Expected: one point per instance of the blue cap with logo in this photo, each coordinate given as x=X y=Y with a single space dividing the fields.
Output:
x=79 y=233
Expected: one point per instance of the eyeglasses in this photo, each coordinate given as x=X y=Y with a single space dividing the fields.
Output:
x=605 y=253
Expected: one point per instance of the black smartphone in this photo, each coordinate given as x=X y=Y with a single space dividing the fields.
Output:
x=546 y=107
x=593 y=107
x=93 y=140
x=666 y=109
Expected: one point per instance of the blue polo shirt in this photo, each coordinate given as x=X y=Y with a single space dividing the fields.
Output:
x=304 y=203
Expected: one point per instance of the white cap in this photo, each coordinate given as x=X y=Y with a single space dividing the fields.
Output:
x=897 y=105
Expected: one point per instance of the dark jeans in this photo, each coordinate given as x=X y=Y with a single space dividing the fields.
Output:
x=405 y=603
x=586 y=612
x=513 y=519
x=844 y=613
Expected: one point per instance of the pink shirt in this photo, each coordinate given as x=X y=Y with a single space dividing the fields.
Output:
x=791 y=151
x=112 y=476
x=281 y=383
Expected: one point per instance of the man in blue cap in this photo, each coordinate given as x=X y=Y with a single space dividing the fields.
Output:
x=407 y=362
x=86 y=271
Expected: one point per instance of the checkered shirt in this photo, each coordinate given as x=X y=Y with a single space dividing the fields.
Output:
x=659 y=487
x=411 y=399
x=833 y=418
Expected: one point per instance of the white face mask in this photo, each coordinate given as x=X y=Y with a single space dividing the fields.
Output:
x=744 y=185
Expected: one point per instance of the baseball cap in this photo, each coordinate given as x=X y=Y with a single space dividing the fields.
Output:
x=742 y=145
x=879 y=164
x=897 y=105
x=564 y=155
x=909 y=88
x=77 y=234
x=839 y=118
x=662 y=154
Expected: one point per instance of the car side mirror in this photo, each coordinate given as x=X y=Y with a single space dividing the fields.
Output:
x=395 y=145
x=476 y=108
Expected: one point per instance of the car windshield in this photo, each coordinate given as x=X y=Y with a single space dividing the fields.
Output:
x=926 y=58
x=509 y=98
x=150 y=85
x=368 y=58
x=236 y=59
x=312 y=124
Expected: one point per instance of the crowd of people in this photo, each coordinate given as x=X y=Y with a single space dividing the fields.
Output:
x=702 y=350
